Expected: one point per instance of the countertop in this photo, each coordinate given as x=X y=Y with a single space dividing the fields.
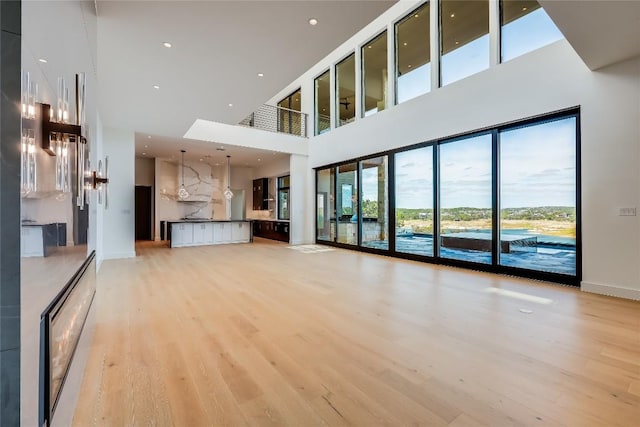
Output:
x=175 y=221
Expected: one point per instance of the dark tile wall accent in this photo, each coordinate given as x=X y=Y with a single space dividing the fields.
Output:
x=10 y=64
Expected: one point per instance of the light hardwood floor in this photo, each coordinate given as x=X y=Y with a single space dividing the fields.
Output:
x=260 y=334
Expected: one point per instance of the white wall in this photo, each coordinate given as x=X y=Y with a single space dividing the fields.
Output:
x=300 y=195
x=242 y=179
x=145 y=172
x=96 y=213
x=546 y=80
x=119 y=222
x=221 y=133
x=278 y=167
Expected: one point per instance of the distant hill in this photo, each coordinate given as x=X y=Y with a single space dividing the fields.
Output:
x=540 y=213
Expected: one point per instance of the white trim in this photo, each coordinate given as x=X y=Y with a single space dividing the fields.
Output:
x=119 y=255
x=614 y=291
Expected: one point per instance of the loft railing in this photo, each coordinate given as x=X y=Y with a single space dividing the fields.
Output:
x=277 y=119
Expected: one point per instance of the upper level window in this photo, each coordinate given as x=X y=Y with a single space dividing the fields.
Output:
x=464 y=42
x=525 y=26
x=323 y=103
x=374 y=75
x=346 y=90
x=289 y=117
x=413 y=55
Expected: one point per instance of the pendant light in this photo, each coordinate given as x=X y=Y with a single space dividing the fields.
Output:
x=182 y=192
x=228 y=194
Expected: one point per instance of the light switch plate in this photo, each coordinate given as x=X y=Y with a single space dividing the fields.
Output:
x=627 y=212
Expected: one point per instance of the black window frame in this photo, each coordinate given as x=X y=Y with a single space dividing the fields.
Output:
x=494 y=267
x=286 y=189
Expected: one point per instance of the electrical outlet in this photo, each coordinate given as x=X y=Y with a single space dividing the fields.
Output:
x=627 y=212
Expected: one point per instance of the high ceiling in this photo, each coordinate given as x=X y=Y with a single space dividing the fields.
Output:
x=218 y=49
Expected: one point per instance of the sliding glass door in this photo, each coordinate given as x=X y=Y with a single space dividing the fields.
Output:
x=414 y=201
x=466 y=199
x=325 y=205
x=374 y=203
x=505 y=199
x=347 y=203
x=538 y=197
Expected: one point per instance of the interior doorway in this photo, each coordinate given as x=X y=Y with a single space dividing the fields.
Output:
x=143 y=212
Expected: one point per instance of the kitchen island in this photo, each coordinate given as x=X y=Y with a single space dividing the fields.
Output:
x=200 y=232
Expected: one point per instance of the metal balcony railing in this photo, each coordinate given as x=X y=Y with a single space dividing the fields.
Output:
x=277 y=119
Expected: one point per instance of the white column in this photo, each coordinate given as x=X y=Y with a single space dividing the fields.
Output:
x=119 y=221
x=301 y=203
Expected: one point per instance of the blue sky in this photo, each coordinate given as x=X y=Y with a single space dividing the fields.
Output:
x=537 y=169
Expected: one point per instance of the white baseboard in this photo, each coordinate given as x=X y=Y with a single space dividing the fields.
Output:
x=119 y=255
x=614 y=291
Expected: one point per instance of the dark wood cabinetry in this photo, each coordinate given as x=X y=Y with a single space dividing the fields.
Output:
x=274 y=230
x=260 y=194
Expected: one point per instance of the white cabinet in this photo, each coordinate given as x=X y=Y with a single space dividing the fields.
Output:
x=181 y=234
x=217 y=232
x=209 y=233
x=31 y=241
x=203 y=233
x=222 y=232
x=240 y=231
x=226 y=232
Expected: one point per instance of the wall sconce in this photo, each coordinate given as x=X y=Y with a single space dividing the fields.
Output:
x=99 y=181
x=28 y=164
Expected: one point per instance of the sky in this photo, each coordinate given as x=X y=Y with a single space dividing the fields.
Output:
x=537 y=169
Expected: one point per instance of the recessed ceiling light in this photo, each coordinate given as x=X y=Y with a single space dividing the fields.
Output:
x=524 y=9
x=409 y=66
x=260 y=75
x=144 y=154
x=313 y=21
x=259 y=160
x=405 y=43
x=416 y=15
x=453 y=15
x=457 y=42
x=200 y=159
x=297 y=99
x=156 y=87
x=44 y=61
x=230 y=105
x=146 y=146
x=324 y=109
x=217 y=164
x=369 y=47
x=167 y=44
x=149 y=136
